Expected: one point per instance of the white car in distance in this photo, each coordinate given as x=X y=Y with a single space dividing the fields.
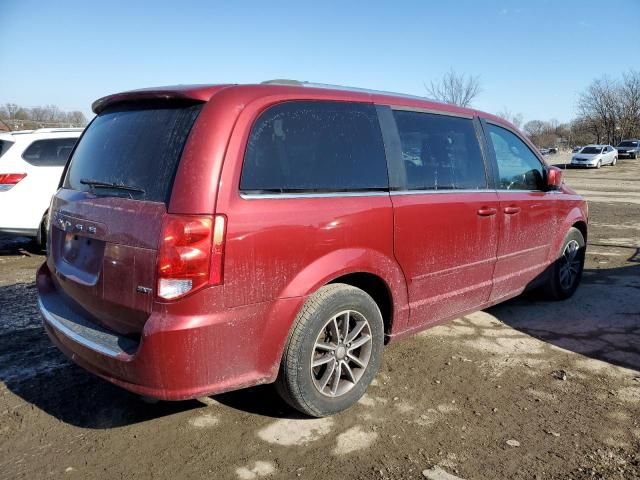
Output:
x=31 y=163
x=595 y=156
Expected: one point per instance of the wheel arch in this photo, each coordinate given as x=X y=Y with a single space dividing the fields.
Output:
x=376 y=288
x=576 y=218
x=370 y=270
x=581 y=225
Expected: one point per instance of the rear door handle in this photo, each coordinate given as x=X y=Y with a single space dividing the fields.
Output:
x=487 y=211
x=511 y=210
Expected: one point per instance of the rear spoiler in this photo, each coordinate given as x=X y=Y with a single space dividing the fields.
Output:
x=193 y=93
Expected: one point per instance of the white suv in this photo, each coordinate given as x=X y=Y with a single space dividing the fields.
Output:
x=31 y=163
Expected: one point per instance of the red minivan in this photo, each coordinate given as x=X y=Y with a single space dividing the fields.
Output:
x=209 y=238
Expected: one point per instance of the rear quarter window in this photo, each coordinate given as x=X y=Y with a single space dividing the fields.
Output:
x=315 y=146
x=135 y=145
x=52 y=152
x=5 y=145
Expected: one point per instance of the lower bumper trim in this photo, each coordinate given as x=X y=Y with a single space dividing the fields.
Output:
x=74 y=326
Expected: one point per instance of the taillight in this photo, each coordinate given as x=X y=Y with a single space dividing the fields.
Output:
x=190 y=254
x=8 y=180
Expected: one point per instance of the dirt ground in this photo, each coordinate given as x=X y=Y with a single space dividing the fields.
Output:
x=525 y=390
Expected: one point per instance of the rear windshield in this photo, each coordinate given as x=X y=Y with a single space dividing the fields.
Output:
x=136 y=149
x=591 y=150
x=4 y=146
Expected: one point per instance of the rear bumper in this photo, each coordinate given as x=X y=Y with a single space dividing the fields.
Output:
x=176 y=357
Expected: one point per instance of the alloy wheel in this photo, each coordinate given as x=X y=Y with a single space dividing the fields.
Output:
x=570 y=265
x=341 y=353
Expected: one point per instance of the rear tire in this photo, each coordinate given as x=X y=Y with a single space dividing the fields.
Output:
x=566 y=271
x=333 y=352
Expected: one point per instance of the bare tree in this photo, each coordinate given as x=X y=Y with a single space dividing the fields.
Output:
x=455 y=88
x=22 y=114
x=76 y=118
x=535 y=128
x=515 y=118
x=580 y=132
x=600 y=107
x=11 y=109
x=36 y=117
x=608 y=112
x=38 y=114
x=548 y=133
x=53 y=114
x=629 y=110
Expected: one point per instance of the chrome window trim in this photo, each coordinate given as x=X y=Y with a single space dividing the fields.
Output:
x=430 y=110
x=520 y=191
x=285 y=196
x=480 y=190
x=279 y=196
x=443 y=191
x=546 y=192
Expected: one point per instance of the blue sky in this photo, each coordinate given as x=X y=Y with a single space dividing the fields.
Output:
x=532 y=57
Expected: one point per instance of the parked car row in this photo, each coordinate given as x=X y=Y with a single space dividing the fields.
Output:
x=589 y=155
x=548 y=151
x=595 y=156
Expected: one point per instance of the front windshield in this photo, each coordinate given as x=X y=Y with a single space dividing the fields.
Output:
x=591 y=150
x=628 y=144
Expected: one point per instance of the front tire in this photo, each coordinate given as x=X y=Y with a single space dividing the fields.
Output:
x=566 y=271
x=615 y=160
x=599 y=164
x=333 y=352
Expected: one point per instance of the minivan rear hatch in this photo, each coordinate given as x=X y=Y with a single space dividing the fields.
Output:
x=107 y=217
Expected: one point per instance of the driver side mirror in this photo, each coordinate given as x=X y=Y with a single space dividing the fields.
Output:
x=554 y=178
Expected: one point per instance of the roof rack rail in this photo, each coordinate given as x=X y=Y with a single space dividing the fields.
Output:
x=18 y=132
x=299 y=83
x=58 y=130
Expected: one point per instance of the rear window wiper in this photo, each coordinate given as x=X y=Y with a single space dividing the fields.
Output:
x=117 y=186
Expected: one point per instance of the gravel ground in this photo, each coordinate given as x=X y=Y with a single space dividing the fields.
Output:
x=527 y=389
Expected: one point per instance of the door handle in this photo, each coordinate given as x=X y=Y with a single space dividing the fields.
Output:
x=487 y=211
x=511 y=210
